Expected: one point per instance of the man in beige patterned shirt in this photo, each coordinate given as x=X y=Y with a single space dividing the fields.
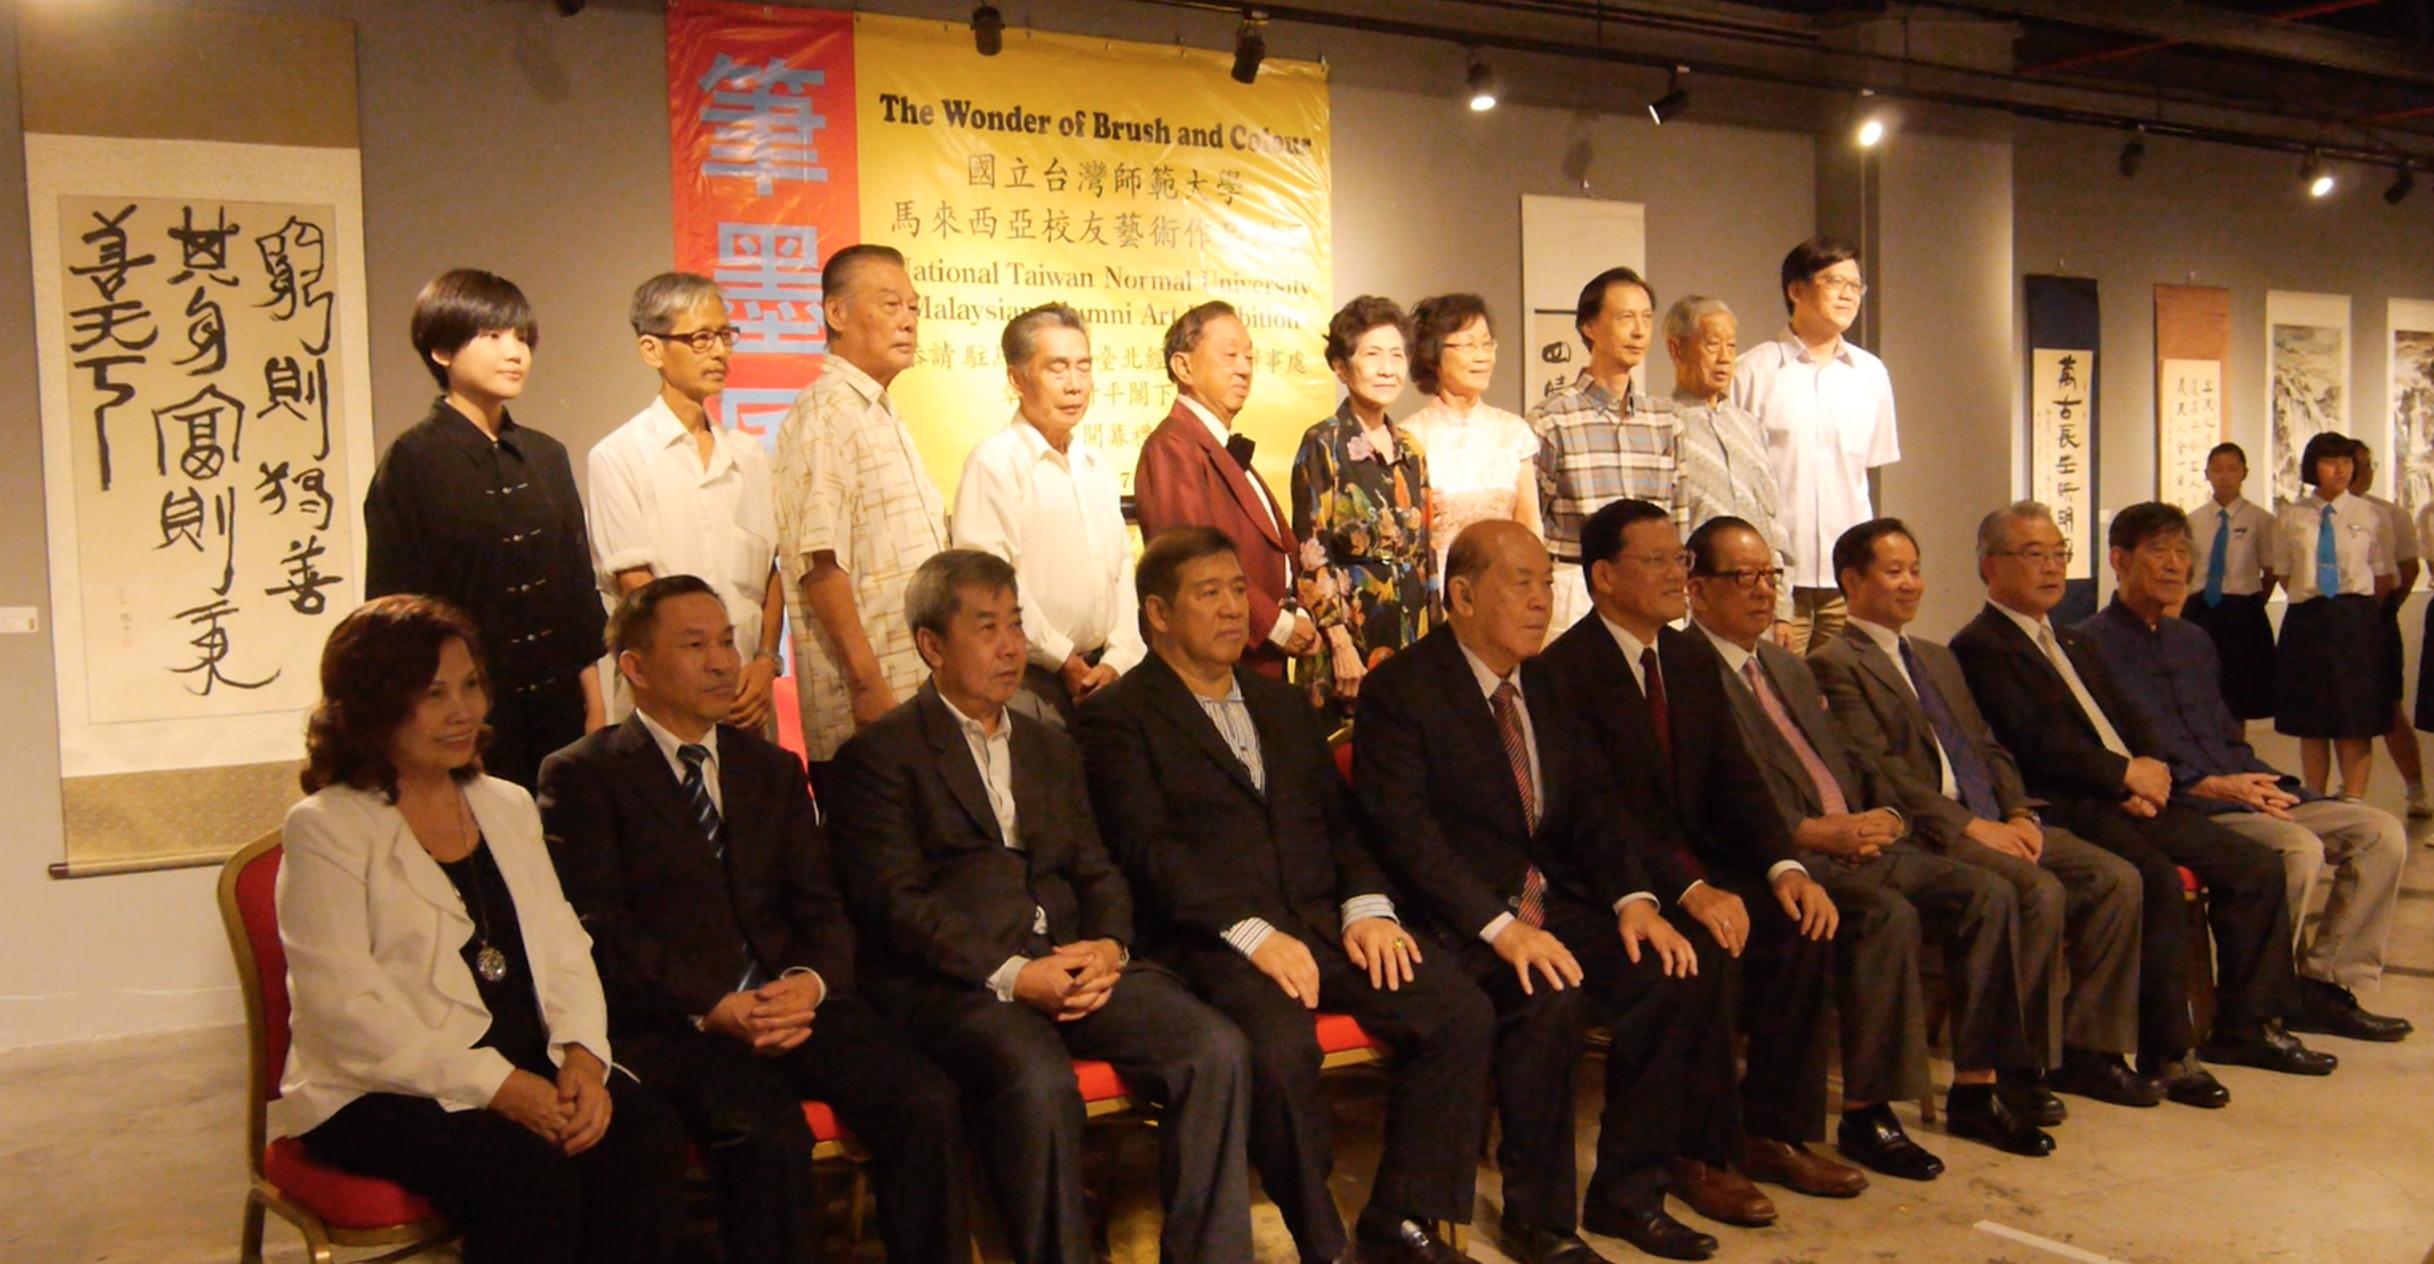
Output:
x=857 y=512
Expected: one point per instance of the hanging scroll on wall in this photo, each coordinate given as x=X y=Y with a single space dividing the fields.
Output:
x=2062 y=430
x=2306 y=381
x=2411 y=481
x=2192 y=406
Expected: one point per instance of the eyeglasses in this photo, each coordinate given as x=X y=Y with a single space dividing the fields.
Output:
x=1484 y=346
x=701 y=340
x=2038 y=557
x=1658 y=561
x=1840 y=285
x=1749 y=578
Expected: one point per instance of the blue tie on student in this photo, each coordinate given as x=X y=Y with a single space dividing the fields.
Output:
x=2328 y=562
x=2217 y=558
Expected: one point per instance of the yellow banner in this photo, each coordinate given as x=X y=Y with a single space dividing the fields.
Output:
x=1128 y=180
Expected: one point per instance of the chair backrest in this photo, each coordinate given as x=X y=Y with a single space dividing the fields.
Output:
x=1343 y=761
x=784 y=703
x=249 y=910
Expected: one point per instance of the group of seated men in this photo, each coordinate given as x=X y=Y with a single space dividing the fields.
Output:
x=1686 y=835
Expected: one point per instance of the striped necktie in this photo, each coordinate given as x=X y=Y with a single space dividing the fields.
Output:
x=697 y=792
x=1531 y=908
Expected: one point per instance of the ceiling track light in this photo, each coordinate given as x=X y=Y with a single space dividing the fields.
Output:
x=2133 y=153
x=1675 y=100
x=1481 y=83
x=988 y=30
x=2403 y=185
x=1250 y=46
x=2312 y=174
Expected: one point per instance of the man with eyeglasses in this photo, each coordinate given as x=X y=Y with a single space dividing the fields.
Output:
x=2085 y=750
x=1840 y=811
x=1826 y=408
x=673 y=493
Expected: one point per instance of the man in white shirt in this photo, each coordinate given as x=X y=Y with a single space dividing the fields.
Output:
x=1826 y=409
x=673 y=494
x=1036 y=495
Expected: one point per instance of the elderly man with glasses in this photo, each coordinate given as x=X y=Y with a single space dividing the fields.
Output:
x=674 y=493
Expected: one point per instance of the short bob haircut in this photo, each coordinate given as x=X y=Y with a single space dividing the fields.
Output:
x=2144 y=521
x=635 y=623
x=2325 y=446
x=1812 y=257
x=1159 y=574
x=461 y=305
x=1593 y=297
x=1359 y=317
x=1435 y=319
x=1855 y=549
x=935 y=594
x=374 y=669
x=1183 y=337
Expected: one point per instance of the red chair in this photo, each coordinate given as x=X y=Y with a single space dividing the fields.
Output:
x=2201 y=954
x=784 y=704
x=329 y=1207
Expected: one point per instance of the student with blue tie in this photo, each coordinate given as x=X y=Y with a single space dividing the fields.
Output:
x=2233 y=537
x=2338 y=552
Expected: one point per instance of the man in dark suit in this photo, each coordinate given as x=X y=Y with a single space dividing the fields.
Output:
x=2049 y=698
x=696 y=860
x=996 y=928
x=1651 y=695
x=1905 y=706
x=1195 y=471
x=1253 y=882
x=1850 y=835
x=1491 y=808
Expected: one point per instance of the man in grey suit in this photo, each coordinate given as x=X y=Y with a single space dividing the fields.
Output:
x=1903 y=703
x=1853 y=838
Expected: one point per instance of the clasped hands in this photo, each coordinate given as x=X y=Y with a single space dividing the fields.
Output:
x=571 y=1114
x=1073 y=981
x=1850 y=838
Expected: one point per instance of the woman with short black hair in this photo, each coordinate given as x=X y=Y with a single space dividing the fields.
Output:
x=2335 y=551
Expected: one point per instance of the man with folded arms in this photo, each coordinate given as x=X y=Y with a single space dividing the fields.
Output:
x=1903 y=703
x=1848 y=833
x=1253 y=883
x=1493 y=810
x=692 y=852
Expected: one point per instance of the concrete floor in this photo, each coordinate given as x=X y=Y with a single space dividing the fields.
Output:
x=129 y=1151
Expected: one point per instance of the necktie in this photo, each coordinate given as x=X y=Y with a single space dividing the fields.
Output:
x=2103 y=724
x=697 y=790
x=1969 y=772
x=2217 y=557
x=1829 y=790
x=1658 y=714
x=1532 y=907
x=2328 y=561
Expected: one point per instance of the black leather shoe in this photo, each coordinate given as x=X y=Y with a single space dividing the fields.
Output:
x=1873 y=1138
x=1652 y=1231
x=2187 y=1081
x=1402 y=1242
x=1984 y=1116
x=2333 y=1010
x=2267 y=1047
x=2029 y=1098
x=2105 y=1077
x=1545 y=1246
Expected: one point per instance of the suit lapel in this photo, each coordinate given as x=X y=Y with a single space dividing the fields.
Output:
x=1027 y=760
x=634 y=747
x=1473 y=716
x=1237 y=478
x=1174 y=700
x=955 y=763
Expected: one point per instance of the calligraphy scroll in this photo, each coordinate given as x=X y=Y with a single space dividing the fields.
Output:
x=2192 y=413
x=1128 y=180
x=2306 y=380
x=2411 y=459
x=2062 y=441
x=1564 y=242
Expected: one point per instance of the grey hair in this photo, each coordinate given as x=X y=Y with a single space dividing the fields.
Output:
x=1994 y=530
x=1021 y=340
x=663 y=298
x=936 y=590
x=1682 y=319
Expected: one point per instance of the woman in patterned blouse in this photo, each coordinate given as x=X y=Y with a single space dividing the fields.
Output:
x=1368 y=573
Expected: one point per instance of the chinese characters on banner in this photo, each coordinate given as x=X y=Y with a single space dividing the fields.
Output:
x=2061 y=419
x=200 y=395
x=2189 y=422
x=1129 y=181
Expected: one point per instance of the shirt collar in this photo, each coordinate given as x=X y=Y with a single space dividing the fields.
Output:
x=469 y=434
x=1886 y=638
x=1736 y=659
x=1233 y=694
x=2118 y=611
x=2034 y=625
x=972 y=727
x=1798 y=350
x=1488 y=680
x=863 y=384
x=668 y=742
x=1631 y=646
x=1218 y=430
x=1036 y=447
x=667 y=430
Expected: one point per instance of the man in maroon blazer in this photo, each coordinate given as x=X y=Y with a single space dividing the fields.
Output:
x=1195 y=471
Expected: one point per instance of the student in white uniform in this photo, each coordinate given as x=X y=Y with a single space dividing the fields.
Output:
x=2400 y=738
x=2232 y=541
x=2338 y=552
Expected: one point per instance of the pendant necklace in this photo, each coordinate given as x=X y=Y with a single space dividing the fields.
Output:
x=488 y=961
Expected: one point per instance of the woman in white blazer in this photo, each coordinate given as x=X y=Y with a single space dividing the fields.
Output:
x=449 y=1032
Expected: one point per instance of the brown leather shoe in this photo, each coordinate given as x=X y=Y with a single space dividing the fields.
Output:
x=1800 y=1169
x=1720 y=1193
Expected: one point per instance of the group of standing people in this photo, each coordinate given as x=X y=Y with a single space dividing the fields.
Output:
x=1066 y=804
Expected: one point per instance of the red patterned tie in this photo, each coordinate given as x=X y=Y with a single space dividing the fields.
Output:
x=1829 y=790
x=1532 y=908
x=1657 y=713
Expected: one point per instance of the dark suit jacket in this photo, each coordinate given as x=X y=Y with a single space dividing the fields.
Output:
x=1708 y=809
x=1795 y=795
x=1185 y=478
x=938 y=894
x=1202 y=847
x=2034 y=713
x=671 y=922
x=1882 y=717
x=1444 y=813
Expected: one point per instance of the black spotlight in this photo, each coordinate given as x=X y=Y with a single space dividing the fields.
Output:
x=2402 y=185
x=1250 y=48
x=1675 y=100
x=2133 y=154
x=988 y=30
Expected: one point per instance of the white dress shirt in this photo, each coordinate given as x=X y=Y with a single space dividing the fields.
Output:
x=2246 y=557
x=1281 y=634
x=2361 y=545
x=1826 y=423
x=1059 y=518
x=993 y=755
x=1632 y=647
x=2396 y=523
x=2041 y=634
x=654 y=503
